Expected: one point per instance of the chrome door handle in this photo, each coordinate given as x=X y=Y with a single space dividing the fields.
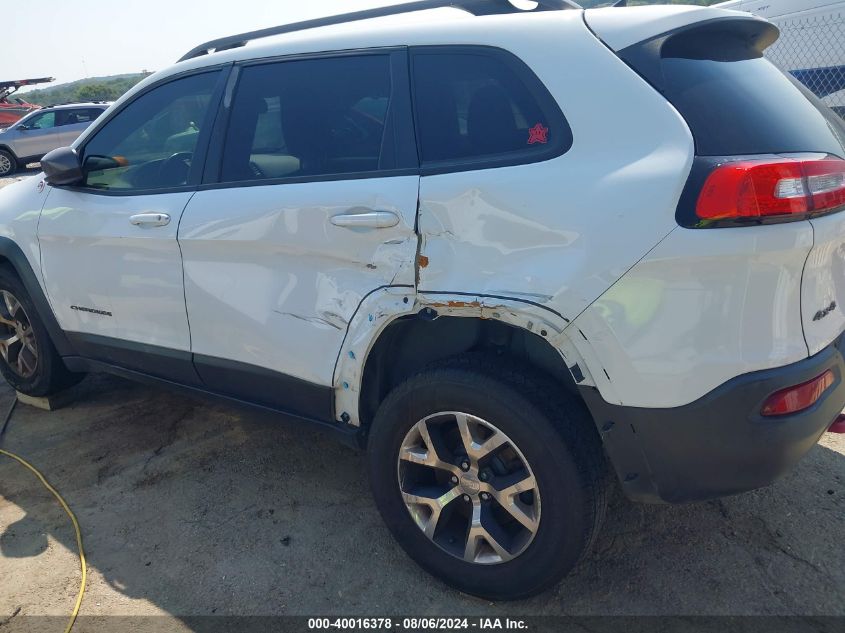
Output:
x=150 y=219
x=367 y=220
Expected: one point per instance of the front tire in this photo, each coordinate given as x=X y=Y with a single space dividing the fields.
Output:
x=8 y=164
x=28 y=359
x=490 y=476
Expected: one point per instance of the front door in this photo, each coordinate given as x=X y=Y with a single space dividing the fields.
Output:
x=36 y=136
x=314 y=208
x=110 y=257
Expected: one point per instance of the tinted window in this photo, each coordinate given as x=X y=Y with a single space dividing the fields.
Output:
x=43 y=121
x=736 y=102
x=304 y=118
x=74 y=117
x=151 y=142
x=475 y=105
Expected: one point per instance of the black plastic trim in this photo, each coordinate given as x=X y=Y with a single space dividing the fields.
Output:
x=720 y=444
x=475 y=7
x=347 y=435
x=266 y=388
x=161 y=362
x=20 y=264
x=232 y=379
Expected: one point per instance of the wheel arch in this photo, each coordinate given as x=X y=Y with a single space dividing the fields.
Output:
x=410 y=343
x=397 y=332
x=9 y=150
x=13 y=258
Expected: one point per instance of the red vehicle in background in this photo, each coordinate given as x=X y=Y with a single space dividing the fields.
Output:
x=11 y=110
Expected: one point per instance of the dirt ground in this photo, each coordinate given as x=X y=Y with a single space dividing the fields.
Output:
x=193 y=509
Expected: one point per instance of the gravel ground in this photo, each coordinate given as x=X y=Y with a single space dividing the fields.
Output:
x=191 y=509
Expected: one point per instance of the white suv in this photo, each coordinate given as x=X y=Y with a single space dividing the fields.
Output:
x=508 y=252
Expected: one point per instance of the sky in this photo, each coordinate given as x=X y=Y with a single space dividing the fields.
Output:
x=92 y=38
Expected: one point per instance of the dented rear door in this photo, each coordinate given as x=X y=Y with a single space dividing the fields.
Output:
x=312 y=212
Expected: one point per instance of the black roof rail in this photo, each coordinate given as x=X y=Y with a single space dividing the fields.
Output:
x=77 y=103
x=475 y=7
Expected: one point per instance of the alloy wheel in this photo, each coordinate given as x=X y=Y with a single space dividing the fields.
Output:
x=469 y=488
x=18 y=346
x=5 y=165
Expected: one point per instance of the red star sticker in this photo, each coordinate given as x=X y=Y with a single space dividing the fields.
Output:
x=538 y=134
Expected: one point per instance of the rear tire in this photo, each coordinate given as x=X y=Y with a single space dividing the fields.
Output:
x=548 y=446
x=8 y=164
x=28 y=359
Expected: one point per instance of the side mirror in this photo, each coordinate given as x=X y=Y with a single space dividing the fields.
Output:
x=22 y=128
x=62 y=167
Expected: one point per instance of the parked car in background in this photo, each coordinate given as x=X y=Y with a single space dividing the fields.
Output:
x=811 y=46
x=444 y=241
x=43 y=131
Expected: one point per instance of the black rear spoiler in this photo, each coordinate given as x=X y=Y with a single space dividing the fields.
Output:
x=720 y=39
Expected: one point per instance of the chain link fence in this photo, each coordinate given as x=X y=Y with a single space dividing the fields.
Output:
x=812 y=50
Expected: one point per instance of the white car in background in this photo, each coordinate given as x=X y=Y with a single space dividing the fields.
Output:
x=445 y=242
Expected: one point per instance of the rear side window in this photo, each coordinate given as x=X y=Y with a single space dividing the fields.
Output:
x=309 y=118
x=480 y=107
x=74 y=117
x=737 y=102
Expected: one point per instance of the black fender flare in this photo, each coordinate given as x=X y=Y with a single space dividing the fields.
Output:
x=13 y=254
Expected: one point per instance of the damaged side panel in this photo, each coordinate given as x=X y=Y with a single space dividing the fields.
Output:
x=281 y=278
x=382 y=308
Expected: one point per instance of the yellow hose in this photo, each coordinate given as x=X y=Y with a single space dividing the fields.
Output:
x=73 y=520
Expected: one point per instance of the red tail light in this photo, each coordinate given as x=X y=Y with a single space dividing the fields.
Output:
x=772 y=188
x=799 y=397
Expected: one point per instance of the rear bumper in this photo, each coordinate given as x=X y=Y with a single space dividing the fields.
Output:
x=718 y=445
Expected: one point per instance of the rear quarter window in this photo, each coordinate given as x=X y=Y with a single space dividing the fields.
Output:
x=479 y=107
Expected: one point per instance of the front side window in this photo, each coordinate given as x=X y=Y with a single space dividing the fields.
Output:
x=474 y=105
x=150 y=144
x=308 y=118
x=43 y=121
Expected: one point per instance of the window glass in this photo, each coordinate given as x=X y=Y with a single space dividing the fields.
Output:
x=74 y=117
x=303 y=118
x=476 y=105
x=43 y=121
x=737 y=102
x=150 y=143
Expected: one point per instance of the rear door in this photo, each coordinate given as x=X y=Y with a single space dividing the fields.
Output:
x=310 y=207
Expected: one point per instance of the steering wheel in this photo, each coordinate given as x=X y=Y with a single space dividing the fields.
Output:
x=174 y=170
